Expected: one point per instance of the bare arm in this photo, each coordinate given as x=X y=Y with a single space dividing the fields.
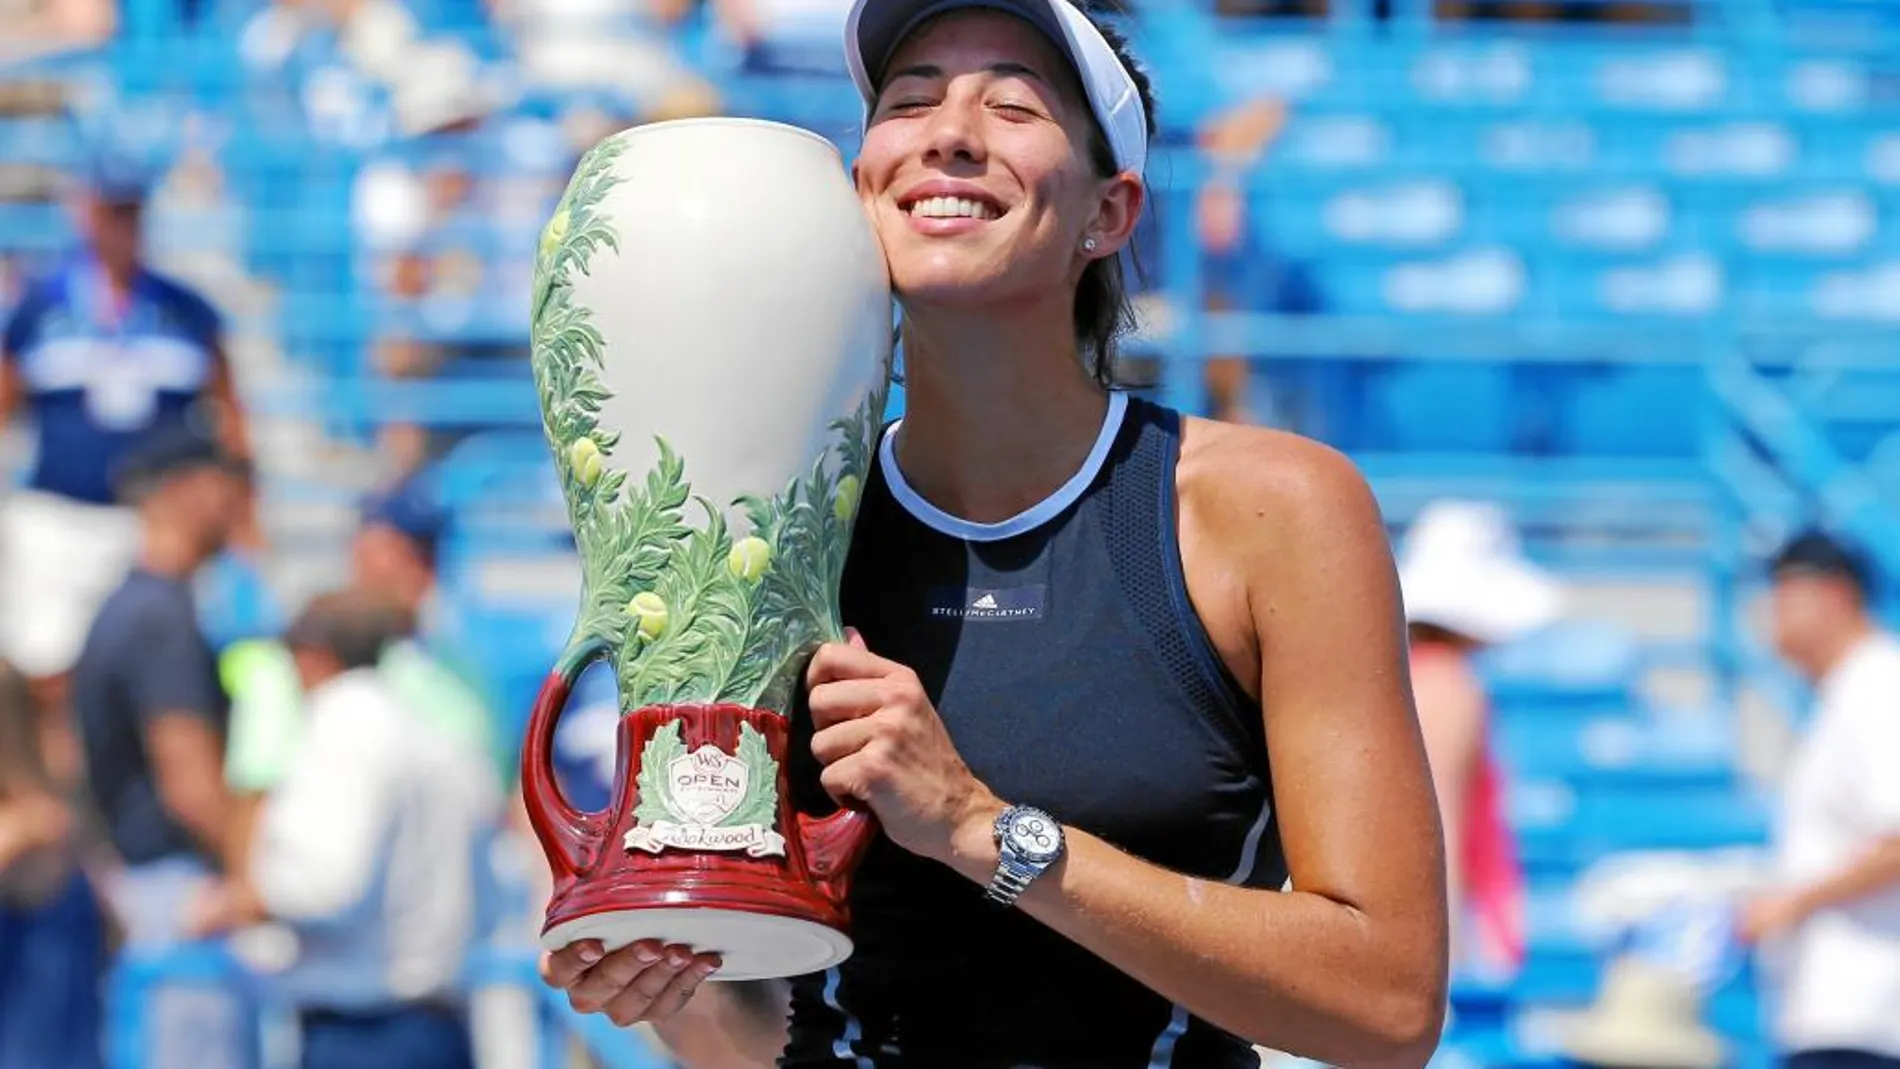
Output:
x=1235 y=140
x=1349 y=966
x=1877 y=870
x=10 y=391
x=242 y=831
x=233 y=430
x=29 y=822
x=235 y=436
x=1239 y=136
x=188 y=764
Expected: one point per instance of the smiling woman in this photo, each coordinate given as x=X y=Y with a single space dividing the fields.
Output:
x=1128 y=690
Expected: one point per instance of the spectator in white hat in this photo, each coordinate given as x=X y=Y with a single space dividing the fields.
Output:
x=1467 y=586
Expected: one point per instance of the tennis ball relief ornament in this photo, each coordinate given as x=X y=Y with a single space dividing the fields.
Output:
x=712 y=366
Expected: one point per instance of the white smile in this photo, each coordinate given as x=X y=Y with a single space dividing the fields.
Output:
x=952 y=208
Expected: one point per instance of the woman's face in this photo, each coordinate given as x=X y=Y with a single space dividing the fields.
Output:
x=975 y=167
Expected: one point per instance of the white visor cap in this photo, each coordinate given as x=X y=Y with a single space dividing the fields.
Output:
x=877 y=27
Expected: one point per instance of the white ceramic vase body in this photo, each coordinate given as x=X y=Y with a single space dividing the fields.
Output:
x=710 y=297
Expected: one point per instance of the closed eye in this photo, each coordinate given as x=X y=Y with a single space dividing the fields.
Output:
x=907 y=106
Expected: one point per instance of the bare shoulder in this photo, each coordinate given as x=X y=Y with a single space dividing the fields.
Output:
x=1272 y=489
x=1281 y=532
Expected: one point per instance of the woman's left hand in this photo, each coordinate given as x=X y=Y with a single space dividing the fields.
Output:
x=884 y=746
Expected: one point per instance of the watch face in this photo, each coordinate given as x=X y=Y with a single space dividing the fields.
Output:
x=1034 y=835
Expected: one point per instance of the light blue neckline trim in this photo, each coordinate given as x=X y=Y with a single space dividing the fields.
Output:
x=1027 y=520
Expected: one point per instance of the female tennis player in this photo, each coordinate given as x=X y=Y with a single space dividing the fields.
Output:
x=1116 y=675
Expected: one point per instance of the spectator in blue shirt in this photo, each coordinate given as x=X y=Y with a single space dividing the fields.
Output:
x=99 y=352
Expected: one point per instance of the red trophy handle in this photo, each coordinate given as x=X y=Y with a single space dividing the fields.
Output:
x=834 y=845
x=567 y=835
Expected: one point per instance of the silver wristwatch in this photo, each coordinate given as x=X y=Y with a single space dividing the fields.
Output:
x=1028 y=841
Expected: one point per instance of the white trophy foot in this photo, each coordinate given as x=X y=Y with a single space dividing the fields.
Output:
x=753 y=946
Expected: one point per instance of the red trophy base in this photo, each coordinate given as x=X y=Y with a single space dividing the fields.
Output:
x=765 y=890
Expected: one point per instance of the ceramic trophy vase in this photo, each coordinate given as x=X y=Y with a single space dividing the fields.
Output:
x=712 y=333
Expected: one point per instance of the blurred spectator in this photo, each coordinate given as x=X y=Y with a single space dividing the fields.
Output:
x=328 y=65
x=368 y=848
x=786 y=36
x=153 y=717
x=1467 y=586
x=1832 y=925
x=445 y=233
x=373 y=36
x=99 y=352
x=52 y=931
x=1242 y=275
x=30 y=28
x=1238 y=272
x=397 y=550
x=393 y=556
x=624 y=48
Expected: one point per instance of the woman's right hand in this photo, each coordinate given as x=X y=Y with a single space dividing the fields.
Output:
x=639 y=982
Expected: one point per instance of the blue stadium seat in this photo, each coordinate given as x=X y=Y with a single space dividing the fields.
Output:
x=1485 y=74
x=1866 y=292
x=1606 y=219
x=1439 y=408
x=1637 y=410
x=1738 y=150
x=1285 y=67
x=1579 y=667
x=1418 y=214
x=1830 y=222
x=1686 y=80
x=1474 y=283
x=1616 y=748
x=1562 y=828
x=1331 y=141
x=1676 y=287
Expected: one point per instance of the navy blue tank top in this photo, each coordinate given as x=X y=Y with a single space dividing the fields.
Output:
x=1072 y=673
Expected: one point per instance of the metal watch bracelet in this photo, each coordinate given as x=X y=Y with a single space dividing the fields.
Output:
x=1008 y=883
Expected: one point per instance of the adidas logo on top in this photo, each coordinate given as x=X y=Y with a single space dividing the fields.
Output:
x=1014 y=603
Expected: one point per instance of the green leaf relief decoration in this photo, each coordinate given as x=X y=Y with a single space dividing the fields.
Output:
x=694 y=613
x=656 y=797
x=760 y=804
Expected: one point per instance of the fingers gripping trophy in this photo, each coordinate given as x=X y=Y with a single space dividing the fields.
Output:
x=711 y=343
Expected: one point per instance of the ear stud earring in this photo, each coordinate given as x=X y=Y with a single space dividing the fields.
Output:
x=1088 y=244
